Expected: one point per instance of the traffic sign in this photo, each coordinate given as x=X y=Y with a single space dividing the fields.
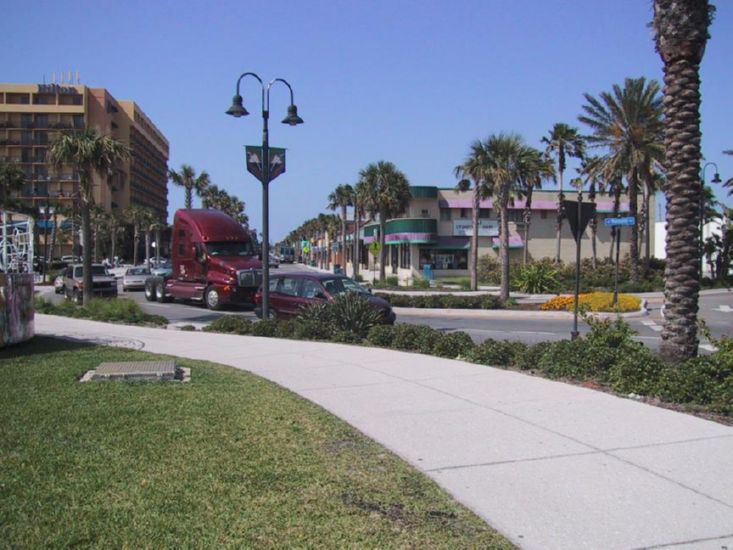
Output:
x=611 y=222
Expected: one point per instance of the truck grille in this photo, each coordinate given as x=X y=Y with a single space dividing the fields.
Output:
x=249 y=277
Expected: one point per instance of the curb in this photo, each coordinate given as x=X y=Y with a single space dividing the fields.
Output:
x=510 y=313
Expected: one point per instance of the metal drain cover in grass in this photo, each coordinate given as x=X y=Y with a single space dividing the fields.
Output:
x=135 y=370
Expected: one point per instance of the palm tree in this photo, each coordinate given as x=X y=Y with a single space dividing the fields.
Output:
x=342 y=197
x=12 y=179
x=628 y=123
x=116 y=228
x=590 y=169
x=681 y=32
x=140 y=218
x=472 y=176
x=386 y=193
x=539 y=167
x=187 y=179
x=89 y=154
x=508 y=166
x=562 y=141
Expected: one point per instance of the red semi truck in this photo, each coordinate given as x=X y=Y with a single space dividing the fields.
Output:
x=214 y=262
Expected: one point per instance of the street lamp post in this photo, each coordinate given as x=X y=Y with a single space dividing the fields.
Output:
x=237 y=110
x=47 y=211
x=716 y=179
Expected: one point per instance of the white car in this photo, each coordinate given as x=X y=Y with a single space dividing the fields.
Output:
x=274 y=261
x=58 y=284
x=134 y=278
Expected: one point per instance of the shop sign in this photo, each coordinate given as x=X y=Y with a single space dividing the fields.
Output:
x=486 y=228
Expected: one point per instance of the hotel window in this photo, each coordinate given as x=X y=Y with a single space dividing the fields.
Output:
x=484 y=213
x=405 y=255
x=425 y=213
x=543 y=214
x=463 y=212
x=445 y=215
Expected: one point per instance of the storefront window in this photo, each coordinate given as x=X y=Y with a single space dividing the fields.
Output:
x=444 y=259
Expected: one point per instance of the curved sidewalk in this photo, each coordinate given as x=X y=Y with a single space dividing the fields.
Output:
x=548 y=464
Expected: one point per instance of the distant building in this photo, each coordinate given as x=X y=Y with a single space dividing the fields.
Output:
x=30 y=116
x=436 y=230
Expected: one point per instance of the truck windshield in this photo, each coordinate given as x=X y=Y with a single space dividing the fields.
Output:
x=230 y=249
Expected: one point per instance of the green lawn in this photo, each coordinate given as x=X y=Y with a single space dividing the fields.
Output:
x=225 y=460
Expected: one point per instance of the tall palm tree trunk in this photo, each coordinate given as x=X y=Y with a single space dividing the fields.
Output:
x=633 y=211
x=593 y=227
x=504 y=251
x=560 y=216
x=682 y=190
x=135 y=244
x=355 y=256
x=648 y=225
x=53 y=236
x=527 y=217
x=382 y=248
x=157 y=246
x=343 y=237
x=147 y=248
x=473 y=266
x=86 y=230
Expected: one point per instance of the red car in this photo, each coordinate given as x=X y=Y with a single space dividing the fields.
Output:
x=290 y=293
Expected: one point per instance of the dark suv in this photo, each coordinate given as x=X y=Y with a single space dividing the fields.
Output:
x=103 y=284
x=290 y=293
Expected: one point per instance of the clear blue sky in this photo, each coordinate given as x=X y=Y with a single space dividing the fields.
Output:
x=413 y=82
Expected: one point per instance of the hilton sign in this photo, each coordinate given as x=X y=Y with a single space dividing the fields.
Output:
x=56 y=89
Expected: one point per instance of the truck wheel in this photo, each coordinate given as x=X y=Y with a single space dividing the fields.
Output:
x=150 y=292
x=160 y=292
x=211 y=297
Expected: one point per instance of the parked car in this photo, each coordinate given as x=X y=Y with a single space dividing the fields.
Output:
x=274 y=261
x=58 y=284
x=103 y=284
x=134 y=278
x=290 y=293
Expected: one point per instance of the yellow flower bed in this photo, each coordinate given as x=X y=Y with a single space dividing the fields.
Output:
x=594 y=301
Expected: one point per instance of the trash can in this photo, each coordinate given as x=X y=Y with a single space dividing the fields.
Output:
x=427 y=271
x=337 y=269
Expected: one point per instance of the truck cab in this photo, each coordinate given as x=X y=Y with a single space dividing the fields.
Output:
x=214 y=261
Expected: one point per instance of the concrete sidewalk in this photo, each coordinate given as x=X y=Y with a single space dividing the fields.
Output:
x=548 y=464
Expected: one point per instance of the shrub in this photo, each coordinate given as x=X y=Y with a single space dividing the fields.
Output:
x=187 y=328
x=381 y=335
x=287 y=329
x=497 y=353
x=565 y=359
x=489 y=270
x=529 y=357
x=392 y=281
x=231 y=324
x=453 y=345
x=100 y=309
x=464 y=283
x=701 y=381
x=537 y=278
x=353 y=313
x=450 y=301
x=420 y=282
x=415 y=338
x=265 y=327
x=636 y=370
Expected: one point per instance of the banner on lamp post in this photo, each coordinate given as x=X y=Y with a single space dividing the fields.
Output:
x=253 y=155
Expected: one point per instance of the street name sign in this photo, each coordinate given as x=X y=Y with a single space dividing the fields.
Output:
x=627 y=220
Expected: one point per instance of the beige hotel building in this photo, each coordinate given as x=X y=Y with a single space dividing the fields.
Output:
x=32 y=114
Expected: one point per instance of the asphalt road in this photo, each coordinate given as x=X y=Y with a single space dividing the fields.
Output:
x=716 y=308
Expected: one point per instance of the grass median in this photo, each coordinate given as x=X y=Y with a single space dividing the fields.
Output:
x=228 y=459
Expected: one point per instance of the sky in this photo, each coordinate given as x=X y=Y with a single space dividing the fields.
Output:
x=412 y=82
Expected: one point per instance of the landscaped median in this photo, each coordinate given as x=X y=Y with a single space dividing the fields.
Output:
x=228 y=460
x=606 y=358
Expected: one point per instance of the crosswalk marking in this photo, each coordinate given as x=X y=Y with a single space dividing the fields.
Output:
x=652 y=325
